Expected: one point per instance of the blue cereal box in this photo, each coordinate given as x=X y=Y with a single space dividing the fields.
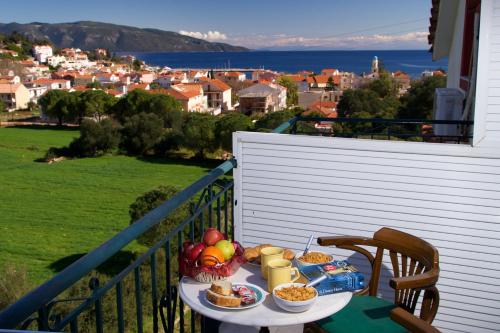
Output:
x=342 y=276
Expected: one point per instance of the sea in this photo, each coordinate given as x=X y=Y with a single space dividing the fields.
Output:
x=413 y=62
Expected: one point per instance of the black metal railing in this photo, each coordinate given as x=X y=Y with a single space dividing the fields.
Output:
x=210 y=199
x=385 y=129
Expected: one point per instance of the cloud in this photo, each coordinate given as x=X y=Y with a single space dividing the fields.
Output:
x=406 y=40
x=210 y=35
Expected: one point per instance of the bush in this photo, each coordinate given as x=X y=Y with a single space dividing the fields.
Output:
x=226 y=125
x=418 y=102
x=139 y=101
x=96 y=138
x=273 y=119
x=199 y=133
x=151 y=200
x=171 y=141
x=141 y=133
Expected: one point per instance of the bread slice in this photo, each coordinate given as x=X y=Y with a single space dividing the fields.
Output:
x=222 y=287
x=221 y=300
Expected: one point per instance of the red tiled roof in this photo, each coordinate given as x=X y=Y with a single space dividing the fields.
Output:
x=6 y=88
x=49 y=81
x=321 y=78
x=218 y=83
x=142 y=86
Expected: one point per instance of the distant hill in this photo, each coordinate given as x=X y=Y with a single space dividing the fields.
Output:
x=89 y=35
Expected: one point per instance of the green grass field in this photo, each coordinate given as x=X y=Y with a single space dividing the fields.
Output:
x=48 y=212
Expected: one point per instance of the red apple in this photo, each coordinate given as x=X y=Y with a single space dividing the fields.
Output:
x=212 y=236
x=187 y=246
x=195 y=252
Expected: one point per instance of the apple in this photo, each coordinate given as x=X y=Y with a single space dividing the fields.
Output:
x=195 y=252
x=187 y=246
x=212 y=236
x=226 y=247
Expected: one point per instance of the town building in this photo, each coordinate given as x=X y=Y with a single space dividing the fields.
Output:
x=231 y=76
x=51 y=84
x=13 y=79
x=56 y=60
x=262 y=98
x=14 y=96
x=42 y=52
x=218 y=95
x=189 y=95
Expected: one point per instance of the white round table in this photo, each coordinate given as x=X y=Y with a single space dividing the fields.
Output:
x=267 y=314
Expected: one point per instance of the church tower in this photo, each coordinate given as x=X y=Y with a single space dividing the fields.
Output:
x=375 y=65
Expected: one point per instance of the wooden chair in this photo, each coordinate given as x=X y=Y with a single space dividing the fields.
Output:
x=411 y=322
x=415 y=265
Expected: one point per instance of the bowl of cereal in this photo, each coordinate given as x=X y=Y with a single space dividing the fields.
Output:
x=294 y=297
x=312 y=258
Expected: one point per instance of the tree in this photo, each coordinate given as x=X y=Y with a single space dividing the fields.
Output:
x=330 y=85
x=167 y=108
x=140 y=101
x=292 y=95
x=59 y=104
x=273 y=119
x=96 y=103
x=199 y=133
x=227 y=124
x=3 y=108
x=384 y=85
x=96 y=138
x=365 y=103
x=141 y=132
x=130 y=104
x=94 y=85
x=136 y=65
x=418 y=102
x=150 y=200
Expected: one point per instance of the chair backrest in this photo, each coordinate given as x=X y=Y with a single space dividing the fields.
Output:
x=415 y=265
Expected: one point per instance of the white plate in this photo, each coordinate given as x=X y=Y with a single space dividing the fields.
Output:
x=261 y=296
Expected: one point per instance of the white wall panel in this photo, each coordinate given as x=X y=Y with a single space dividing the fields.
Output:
x=288 y=187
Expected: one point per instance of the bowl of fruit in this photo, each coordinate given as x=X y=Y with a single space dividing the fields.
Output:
x=215 y=258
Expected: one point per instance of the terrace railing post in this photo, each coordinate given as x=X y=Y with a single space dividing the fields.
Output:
x=154 y=297
x=43 y=318
x=94 y=286
x=119 y=307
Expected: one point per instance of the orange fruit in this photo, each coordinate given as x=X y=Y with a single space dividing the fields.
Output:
x=211 y=256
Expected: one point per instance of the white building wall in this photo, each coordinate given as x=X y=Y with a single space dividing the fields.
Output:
x=455 y=56
x=288 y=187
x=487 y=108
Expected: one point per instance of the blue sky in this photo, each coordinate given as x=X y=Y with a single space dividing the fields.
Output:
x=285 y=24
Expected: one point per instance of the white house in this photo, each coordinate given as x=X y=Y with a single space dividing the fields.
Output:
x=42 y=52
x=190 y=96
x=51 y=84
x=56 y=60
x=14 y=96
x=218 y=95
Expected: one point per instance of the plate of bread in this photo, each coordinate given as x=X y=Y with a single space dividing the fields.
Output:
x=252 y=254
x=234 y=296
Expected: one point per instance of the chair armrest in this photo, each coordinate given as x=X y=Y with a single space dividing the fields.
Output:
x=419 y=281
x=411 y=322
x=345 y=240
x=350 y=243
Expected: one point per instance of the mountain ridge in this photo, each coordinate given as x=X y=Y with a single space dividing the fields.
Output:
x=88 y=35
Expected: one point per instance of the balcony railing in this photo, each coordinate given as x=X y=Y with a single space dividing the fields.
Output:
x=458 y=131
x=213 y=206
x=38 y=309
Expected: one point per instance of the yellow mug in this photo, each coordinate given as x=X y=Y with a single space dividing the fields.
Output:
x=266 y=255
x=279 y=272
